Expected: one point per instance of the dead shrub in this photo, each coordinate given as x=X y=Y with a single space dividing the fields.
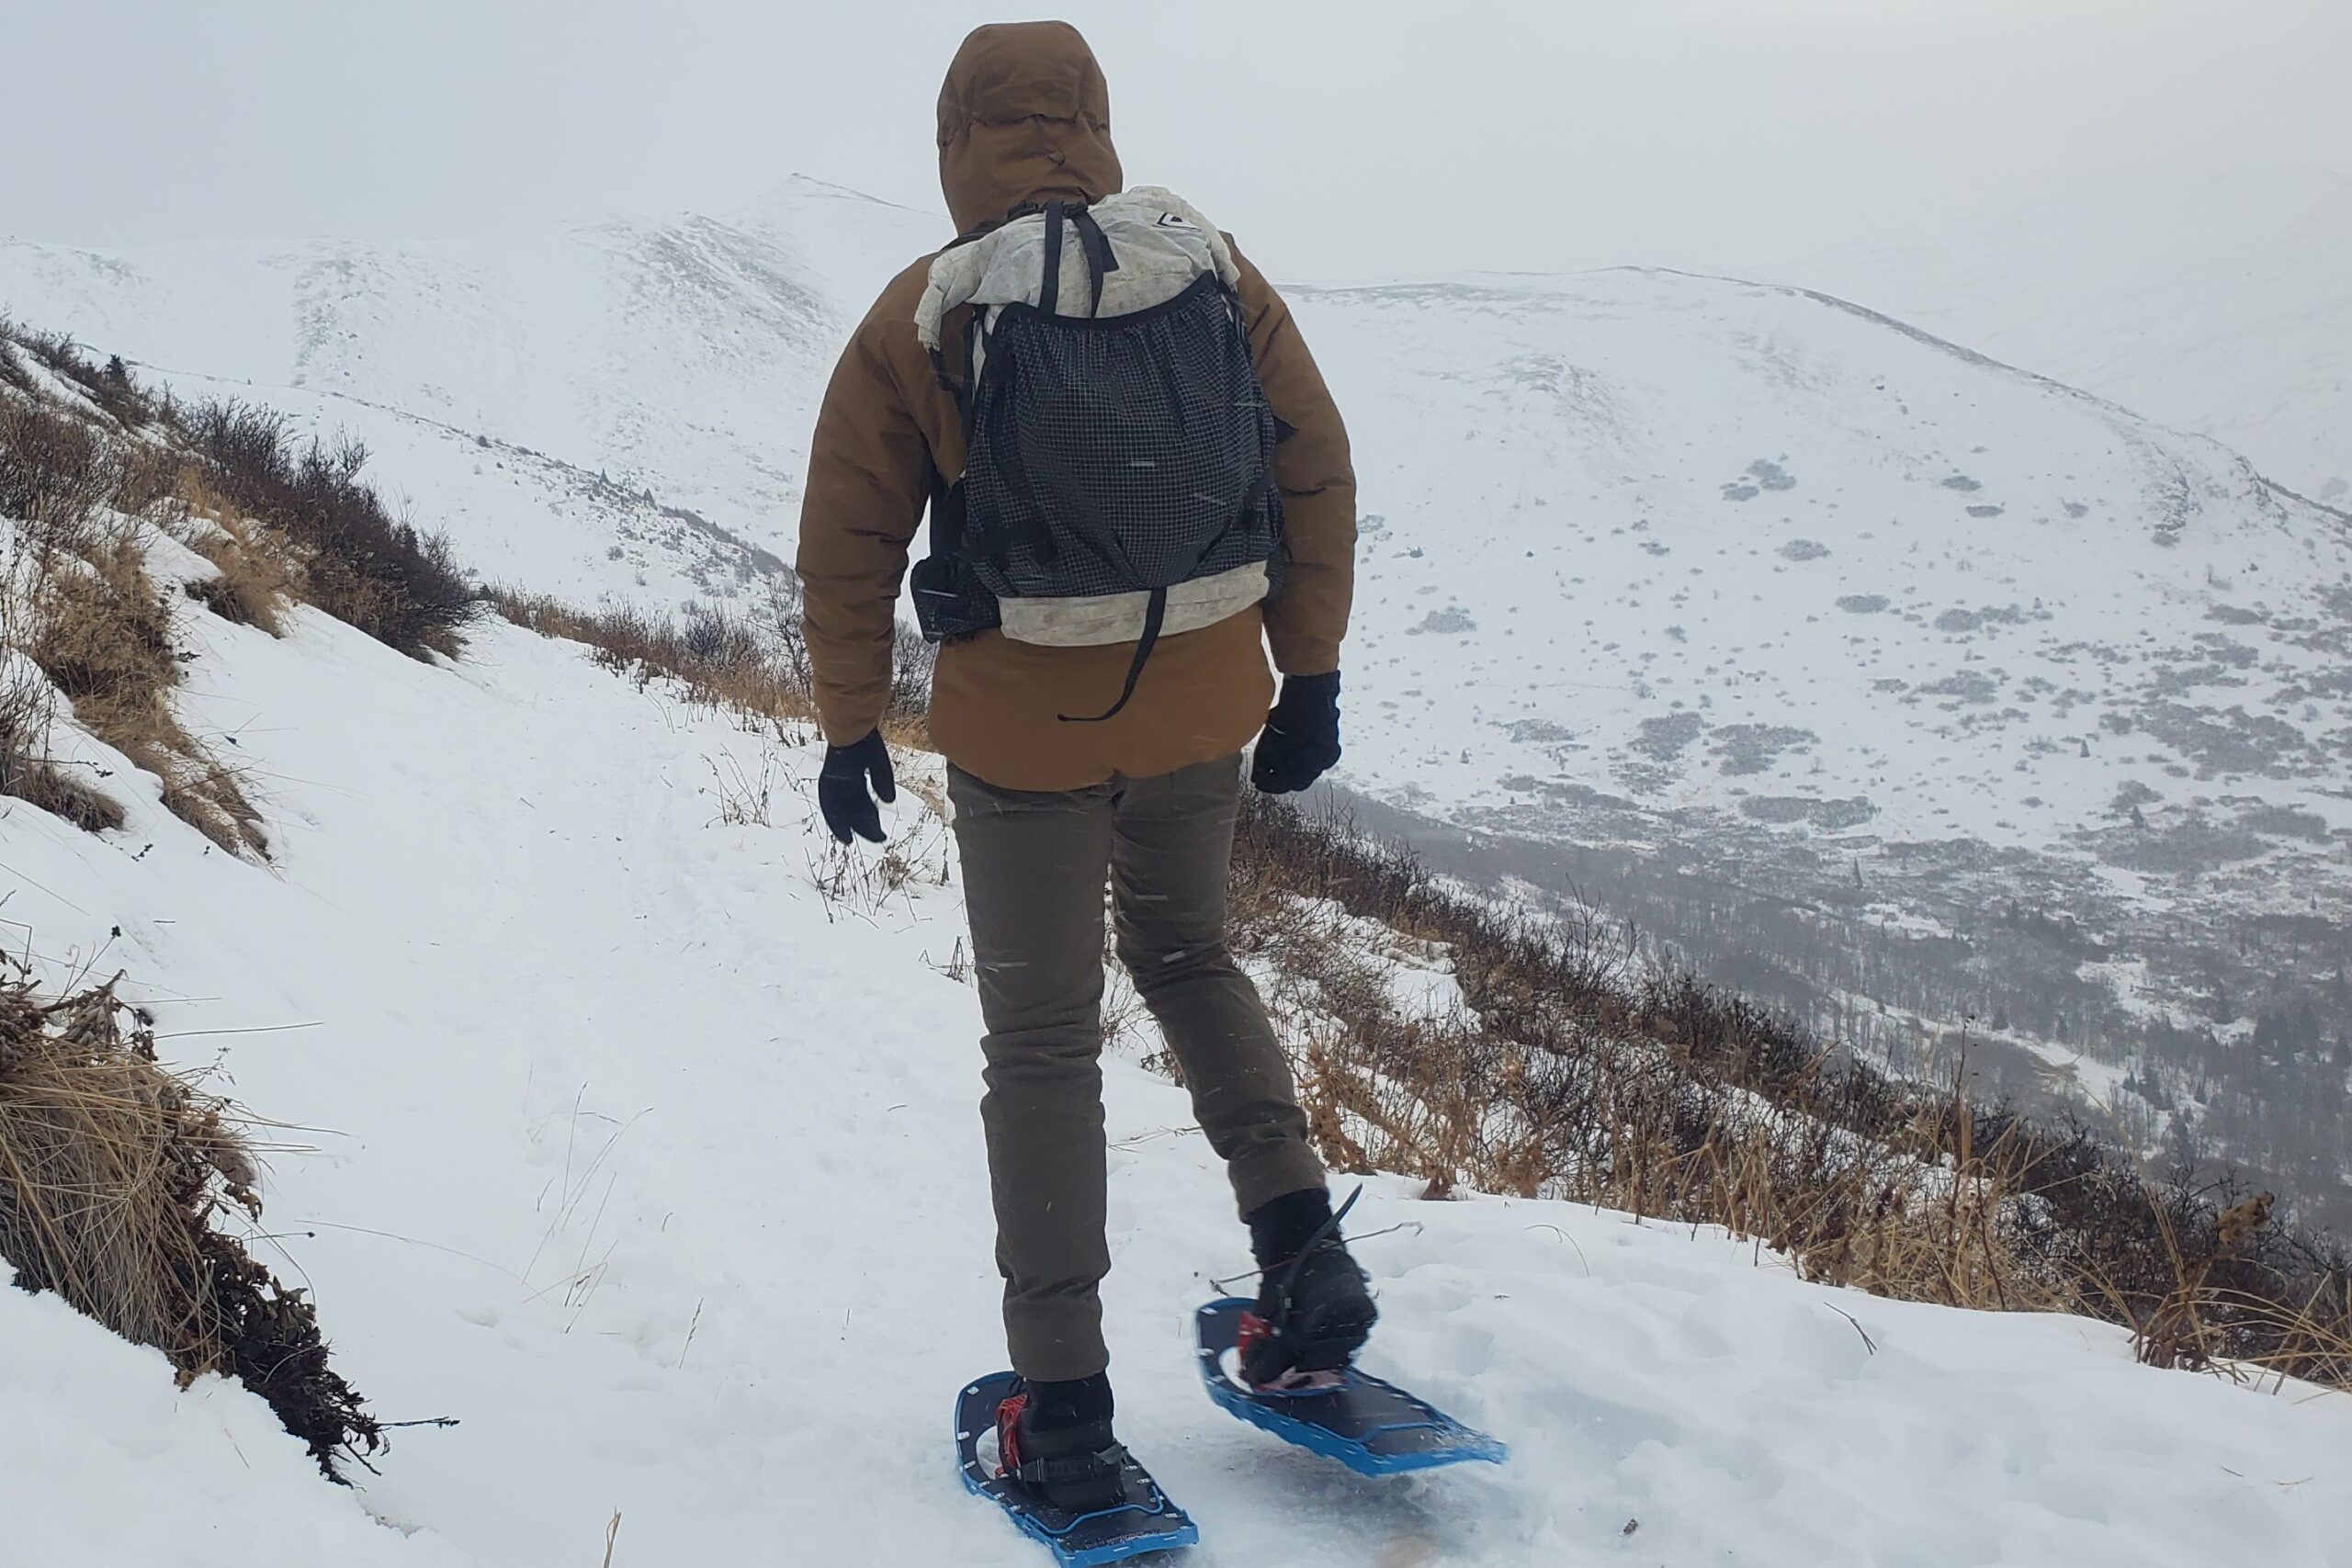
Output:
x=13 y=373
x=300 y=513
x=58 y=477
x=356 y=561
x=109 y=385
x=112 y=1174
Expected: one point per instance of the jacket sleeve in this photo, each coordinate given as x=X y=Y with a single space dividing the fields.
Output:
x=869 y=479
x=1305 y=623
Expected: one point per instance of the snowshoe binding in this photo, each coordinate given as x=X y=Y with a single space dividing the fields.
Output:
x=1284 y=1362
x=1314 y=1310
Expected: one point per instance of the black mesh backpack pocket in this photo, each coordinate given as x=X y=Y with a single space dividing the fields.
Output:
x=1120 y=454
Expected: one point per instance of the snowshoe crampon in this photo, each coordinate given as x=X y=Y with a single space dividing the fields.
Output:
x=1372 y=1427
x=1143 y=1520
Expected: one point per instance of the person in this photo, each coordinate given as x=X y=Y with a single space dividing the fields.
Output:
x=1060 y=784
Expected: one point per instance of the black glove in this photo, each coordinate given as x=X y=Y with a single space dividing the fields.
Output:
x=842 y=789
x=1302 y=738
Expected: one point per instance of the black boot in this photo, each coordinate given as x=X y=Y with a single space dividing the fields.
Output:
x=1055 y=1438
x=1315 y=1308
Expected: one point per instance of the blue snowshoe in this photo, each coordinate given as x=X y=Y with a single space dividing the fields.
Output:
x=1087 y=1504
x=1372 y=1427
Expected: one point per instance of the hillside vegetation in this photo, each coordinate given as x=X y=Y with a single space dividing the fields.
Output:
x=117 y=507
x=1940 y=704
x=648 y=1121
x=1570 y=1068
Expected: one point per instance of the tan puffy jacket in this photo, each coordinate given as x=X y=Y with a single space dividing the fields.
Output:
x=1025 y=115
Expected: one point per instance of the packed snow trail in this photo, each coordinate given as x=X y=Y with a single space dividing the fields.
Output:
x=659 y=1168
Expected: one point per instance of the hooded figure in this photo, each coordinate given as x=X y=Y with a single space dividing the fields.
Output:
x=1049 y=812
x=1024 y=116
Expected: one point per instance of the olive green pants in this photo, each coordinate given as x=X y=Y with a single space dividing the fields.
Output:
x=1034 y=868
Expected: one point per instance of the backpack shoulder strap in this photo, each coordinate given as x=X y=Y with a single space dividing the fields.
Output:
x=1100 y=261
x=1049 y=292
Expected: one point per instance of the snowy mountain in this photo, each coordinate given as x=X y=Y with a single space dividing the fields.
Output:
x=1742 y=582
x=568 y=1182
x=2235 y=323
x=618 y=1117
x=572 y=371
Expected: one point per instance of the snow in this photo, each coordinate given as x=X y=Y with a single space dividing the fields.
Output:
x=104 y=1460
x=646 y=1145
x=2215 y=302
x=1672 y=544
x=1683 y=547
x=1699 y=543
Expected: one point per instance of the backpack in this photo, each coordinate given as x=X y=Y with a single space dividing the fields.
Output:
x=1117 y=482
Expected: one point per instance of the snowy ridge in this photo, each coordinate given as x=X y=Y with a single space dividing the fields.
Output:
x=2236 y=324
x=1748 y=582
x=648 y=1150
x=1789 y=550
x=684 y=355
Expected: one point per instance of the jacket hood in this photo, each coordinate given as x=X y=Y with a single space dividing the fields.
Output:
x=1024 y=115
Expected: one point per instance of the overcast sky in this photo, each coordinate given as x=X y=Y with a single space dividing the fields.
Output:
x=1536 y=134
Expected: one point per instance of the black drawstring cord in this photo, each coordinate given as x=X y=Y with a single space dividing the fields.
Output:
x=1290 y=1277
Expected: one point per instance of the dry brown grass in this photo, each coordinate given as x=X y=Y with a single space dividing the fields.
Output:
x=78 y=602
x=752 y=666
x=258 y=575
x=715 y=658
x=1615 y=1120
x=28 y=729
x=102 y=633
x=1574 y=1074
x=112 y=1174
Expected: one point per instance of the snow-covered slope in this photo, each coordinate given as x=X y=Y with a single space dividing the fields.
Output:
x=1709 y=544
x=104 y=1460
x=604 y=405
x=2236 y=322
x=646 y=1147
x=1690 y=541
x=1745 y=578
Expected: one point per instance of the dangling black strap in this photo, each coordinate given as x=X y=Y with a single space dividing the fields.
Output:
x=1049 y=296
x=1155 y=614
x=1290 y=1275
x=1100 y=261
